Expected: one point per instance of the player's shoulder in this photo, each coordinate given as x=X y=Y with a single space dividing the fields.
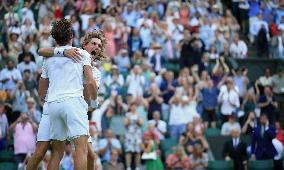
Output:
x=84 y=53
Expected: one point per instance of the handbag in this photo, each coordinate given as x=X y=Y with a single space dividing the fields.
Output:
x=149 y=156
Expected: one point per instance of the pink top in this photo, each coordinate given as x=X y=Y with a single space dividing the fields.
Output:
x=110 y=46
x=24 y=138
x=184 y=16
x=173 y=161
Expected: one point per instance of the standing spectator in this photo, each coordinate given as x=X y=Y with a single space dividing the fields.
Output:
x=3 y=126
x=9 y=77
x=249 y=124
x=114 y=164
x=150 y=146
x=238 y=48
x=154 y=99
x=107 y=144
x=19 y=98
x=123 y=62
x=156 y=58
x=262 y=147
x=30 y=83
x=109 y=34
x=14 y=44
x=33 y=113
x=278 y=87
x=24 y=137
x=266 y=79
x=146 y=36
x=198 y=159
x=26 y=12
x=114 y=81
x=5 y=58
x=268 y=104
x=133 y=137
x=220 y=72
x=277 y=44
x=229 y=99
x=160 y=125
x=135 y=82
x=235 y=149
x=241 y=81
x=262 y=44
x=209 y=104
x=178 y=160
x=27 y=64
x=228 y=126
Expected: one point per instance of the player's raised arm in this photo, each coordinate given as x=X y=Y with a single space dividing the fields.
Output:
x=72 y=53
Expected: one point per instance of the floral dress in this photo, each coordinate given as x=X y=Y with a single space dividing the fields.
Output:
x=133 y=137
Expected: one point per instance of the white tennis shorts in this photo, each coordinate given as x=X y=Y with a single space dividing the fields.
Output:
x=69 y=119
x=43 y=134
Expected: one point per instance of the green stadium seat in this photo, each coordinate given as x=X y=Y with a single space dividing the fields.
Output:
x=6 y=156
x=167 y=145
x=212 y=132
x=8 y=166
x=261 y=165
x=220 y=165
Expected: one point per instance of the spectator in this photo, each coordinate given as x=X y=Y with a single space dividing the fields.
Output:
x=9 y=77
x=67 y=161
x=3 y=126
x=178 y=160
x=5 y=58
x=26 y=51
x=14 y=45
x=220 y=72
x=268 y=104
x=150 y=146
x=24 y=130
x=238 y=48
x=146 y=36
x=241 y=81
x=30 y=83
x=278 y=87
x=114 y=81
x=123 y=61
x=250 y=124
x=209 y=104
x=19 y=98
x=33 y=113
x=27 y=64
x=160 y=125
x=277 y=44
x=262 y=147
x=235 y=149
x=154 y=99
x=227 y=127
x=249 y=103
x=229 y=99
x=198 y=159
x=256 y=26
x=133 y=137
x=26 y=12
x=107 y=144
x=156 y=57
x=135 y=82
x=266 y=79
x=262 y=44
x=114 y=164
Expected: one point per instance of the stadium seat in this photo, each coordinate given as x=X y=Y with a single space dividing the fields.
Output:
x=220 y=165
x=8 y=166
x=167 y=145
x=6 y=156
x=212 y=132
x=261 y=165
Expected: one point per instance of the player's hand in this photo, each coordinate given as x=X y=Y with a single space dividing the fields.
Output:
x=74 y=54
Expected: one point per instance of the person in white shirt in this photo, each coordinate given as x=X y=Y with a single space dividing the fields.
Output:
x=94 y=43
x=160 y=125
x=9 y=77
x=229 y=99
x=27 y=64
x=238 y=48
x=256 y=26
x=230 y=125
x=135 y=82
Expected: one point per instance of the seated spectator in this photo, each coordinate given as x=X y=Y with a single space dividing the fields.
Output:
x=249 y=102
x=114 y=81
x=3 y=126
x=279 y=132
x=5 y=58
x=178 y=160
x=278 y=87
x=24 y=137
x=114 y=164
x=160 y=125
x=133 y=137
x=238 y=48
x=231 y=124
x=266 y=79
x=67 y=161
x=268 y=104
x=135 y=82
x=262 y=147
x=19 y=98
x=107 y=144
x=32 y=111
x=209 y=104
x=30 y=83
x=123 y=61
x=235 y=149
x=156 y=58
x=249 y=124
x=198 y=159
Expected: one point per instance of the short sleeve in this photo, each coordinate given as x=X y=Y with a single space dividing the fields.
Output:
x=44 y=70
x=86 y=61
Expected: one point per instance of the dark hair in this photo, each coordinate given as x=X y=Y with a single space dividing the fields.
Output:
x=62 y=31
x=27 y=71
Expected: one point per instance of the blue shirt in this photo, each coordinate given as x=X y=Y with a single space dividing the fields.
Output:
x=254 y=8
x=114 y=144
x=210 y=97
x=170 y=93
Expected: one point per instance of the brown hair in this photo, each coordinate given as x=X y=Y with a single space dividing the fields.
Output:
x=99 y=35
x=62 y=31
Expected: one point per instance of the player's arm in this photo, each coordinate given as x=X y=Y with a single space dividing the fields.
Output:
x=72 y=53
x=42 y=88
x=90 y=84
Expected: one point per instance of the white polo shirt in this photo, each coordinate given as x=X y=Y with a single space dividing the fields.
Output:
x=66 y=78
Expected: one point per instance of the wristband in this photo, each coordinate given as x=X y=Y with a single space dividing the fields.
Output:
x=59 y=52
x=94 y=104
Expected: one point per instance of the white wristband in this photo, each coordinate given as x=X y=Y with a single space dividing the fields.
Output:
x=94 y=104
x=58 y=51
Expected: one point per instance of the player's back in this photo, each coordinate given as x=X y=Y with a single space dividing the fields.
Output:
x=65 y=76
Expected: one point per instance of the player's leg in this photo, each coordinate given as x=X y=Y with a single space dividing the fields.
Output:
x=57 y=154
x=81 y=151
x=91 y=158
x=38 y=155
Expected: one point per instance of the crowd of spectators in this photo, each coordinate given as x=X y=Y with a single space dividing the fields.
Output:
x=142 y=103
